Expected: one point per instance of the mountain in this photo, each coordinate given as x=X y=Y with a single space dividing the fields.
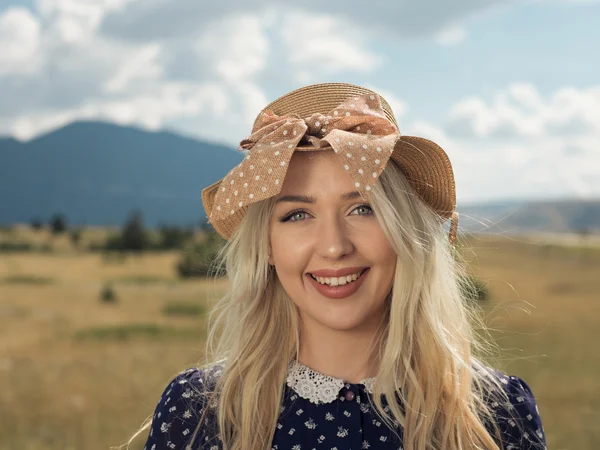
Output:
x=557 y=216
x=96 y=173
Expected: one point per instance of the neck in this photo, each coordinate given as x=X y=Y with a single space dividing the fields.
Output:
x=348 y=355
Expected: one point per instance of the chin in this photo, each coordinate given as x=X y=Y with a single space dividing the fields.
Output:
x=341 y=322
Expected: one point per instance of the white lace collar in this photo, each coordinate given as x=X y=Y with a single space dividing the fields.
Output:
x=317 y=387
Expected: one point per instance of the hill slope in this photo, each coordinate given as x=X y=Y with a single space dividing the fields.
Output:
x=558 y=216
x=96 y=173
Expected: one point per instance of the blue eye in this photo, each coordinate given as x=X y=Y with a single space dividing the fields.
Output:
x=364 y=206
x=290 y=217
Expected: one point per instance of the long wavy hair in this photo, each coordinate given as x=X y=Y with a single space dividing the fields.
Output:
x=430 y=354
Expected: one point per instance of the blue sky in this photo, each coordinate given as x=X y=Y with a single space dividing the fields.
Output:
x=509 y=89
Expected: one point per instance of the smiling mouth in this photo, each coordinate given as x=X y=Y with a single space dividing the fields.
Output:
x=338 y=281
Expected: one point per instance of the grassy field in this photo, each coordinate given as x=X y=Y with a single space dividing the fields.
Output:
x=79 y=373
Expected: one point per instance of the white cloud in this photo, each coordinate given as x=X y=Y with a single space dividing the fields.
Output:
x=19 y=41
x=424 y=18
x=252 y=99
x=526 y=95
x=26 y=127
x=144 y=66
x=520 y=111
x=157 y=83
x=90 y=76
x=149 y=110
x=488 y=170
x=237 y=46
x=452 y=35
x=522 y=142
x=76 y=21
x=320 y=42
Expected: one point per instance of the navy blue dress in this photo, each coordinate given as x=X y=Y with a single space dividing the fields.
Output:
x=323 y=413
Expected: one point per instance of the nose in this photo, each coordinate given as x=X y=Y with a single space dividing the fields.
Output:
x=333 y=240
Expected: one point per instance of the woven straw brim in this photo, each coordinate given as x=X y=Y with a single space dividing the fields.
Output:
x=429 y=172
x=320 y=98
x=425 y=164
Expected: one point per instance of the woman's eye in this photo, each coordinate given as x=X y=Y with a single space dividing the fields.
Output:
x=293 y=217
x=296 y=216
x=367 y=207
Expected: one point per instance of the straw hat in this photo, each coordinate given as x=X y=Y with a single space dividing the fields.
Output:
x=358 y=124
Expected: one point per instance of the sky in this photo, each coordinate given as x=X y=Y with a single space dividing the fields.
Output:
x=510 y=89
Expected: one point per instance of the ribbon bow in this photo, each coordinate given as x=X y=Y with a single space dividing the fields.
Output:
x=358 y=131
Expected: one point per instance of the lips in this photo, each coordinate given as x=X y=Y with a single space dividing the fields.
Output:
x=344 y=277
x=341 y=291
x=335 y=273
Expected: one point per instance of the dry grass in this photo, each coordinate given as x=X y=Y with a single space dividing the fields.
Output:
x=545 y=315
x=82 y=374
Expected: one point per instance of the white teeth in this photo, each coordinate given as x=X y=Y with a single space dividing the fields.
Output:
x=339 y=281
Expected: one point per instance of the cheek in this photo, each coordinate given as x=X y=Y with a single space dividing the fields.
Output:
x=289 y=255
x=378 y=248
x=381 y=254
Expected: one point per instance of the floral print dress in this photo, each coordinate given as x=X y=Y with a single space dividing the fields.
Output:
x=323 y=413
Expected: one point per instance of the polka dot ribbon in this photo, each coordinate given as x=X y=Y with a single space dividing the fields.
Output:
x=358 y=131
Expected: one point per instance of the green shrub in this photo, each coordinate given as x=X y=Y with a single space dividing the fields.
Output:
x=113 y=243
x=134 y=236
x=108 y=294
x=114 y=257
x=14 y=247
x=186 y=309
x=173 y=237
x=37 y=224
x=75 y=236
x=58 y=223
x=142 y=279
x=198 y=259
x=27 y=279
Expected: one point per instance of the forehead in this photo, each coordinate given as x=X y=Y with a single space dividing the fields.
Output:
x=313 y=171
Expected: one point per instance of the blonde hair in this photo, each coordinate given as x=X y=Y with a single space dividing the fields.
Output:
x=427 y=345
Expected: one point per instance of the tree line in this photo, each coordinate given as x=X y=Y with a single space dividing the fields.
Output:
x=133 y=236
x=197 y=257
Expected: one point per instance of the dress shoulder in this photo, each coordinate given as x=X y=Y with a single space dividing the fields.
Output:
x=180 y=409
x=519 y=419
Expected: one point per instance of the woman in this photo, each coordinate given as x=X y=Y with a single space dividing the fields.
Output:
x=345 y=326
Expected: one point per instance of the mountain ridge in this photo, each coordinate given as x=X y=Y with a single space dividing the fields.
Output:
x=97 y=172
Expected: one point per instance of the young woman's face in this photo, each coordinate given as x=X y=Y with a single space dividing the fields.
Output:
x=329 y=231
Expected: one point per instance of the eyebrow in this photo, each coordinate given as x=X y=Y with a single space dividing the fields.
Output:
x=309 y=199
